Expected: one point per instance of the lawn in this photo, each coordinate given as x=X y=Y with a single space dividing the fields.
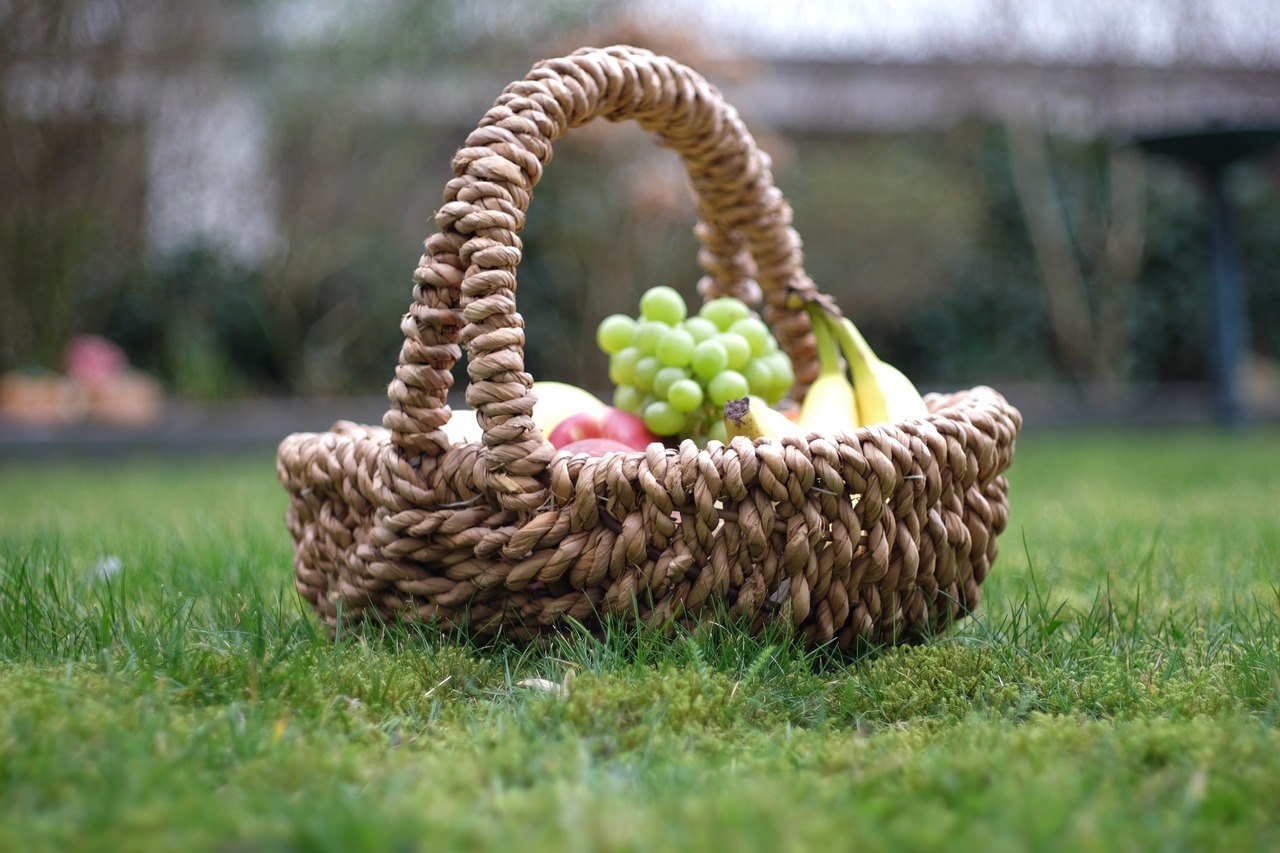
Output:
x=162 y=688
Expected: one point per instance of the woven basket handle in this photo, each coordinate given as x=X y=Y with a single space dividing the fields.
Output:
x=465 y=284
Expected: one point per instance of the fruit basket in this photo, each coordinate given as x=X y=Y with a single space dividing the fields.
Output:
x=881 y=534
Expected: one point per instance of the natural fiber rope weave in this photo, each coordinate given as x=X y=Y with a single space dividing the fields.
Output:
x=883 y=534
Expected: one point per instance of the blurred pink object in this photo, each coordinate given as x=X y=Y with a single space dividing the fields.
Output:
x=116 y=395
x=93 y=360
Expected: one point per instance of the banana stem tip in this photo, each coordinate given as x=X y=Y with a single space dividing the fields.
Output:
x=736 y=410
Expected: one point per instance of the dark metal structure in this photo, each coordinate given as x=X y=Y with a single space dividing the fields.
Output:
x=1210 y=153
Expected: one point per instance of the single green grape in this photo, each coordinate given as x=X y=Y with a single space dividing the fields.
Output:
x=709 y=359
x=718 y=432
x=784 y=376
x=728 y=385
x=662 y=418
x=756 y=333
x=648 y=333
x=615 y=333
x=664 y=304
x=760 y=378
x=724 y=311
x=622 y=366
x=685 y=394
x=646 y=369
x=666 y=377
x=780 y=363
x=675 y=348
x=737 y=348
x=627 y=398
x=700 y=327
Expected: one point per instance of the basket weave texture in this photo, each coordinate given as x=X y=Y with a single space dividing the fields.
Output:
x=884 y=534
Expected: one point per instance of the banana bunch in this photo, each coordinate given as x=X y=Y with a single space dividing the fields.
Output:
x=879 y=393
x=884 y=393
x=830 y=403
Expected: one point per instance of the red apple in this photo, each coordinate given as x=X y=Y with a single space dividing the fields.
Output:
x=603 y=422
x=597 y=446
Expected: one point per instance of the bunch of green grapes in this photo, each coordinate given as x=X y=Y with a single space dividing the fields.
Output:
x=676 y=371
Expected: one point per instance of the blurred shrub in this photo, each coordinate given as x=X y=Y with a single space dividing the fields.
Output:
x=935 y=223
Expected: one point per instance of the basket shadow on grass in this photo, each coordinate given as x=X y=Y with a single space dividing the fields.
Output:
x=1011 y=659
x=720 y=641
x=1020 y=658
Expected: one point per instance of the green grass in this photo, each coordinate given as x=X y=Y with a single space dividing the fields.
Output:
x=1119 y=688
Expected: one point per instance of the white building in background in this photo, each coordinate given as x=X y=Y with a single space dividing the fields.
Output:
x=1117 y=67
x=1088 y=67
x=210 y=179
x=1156 y=33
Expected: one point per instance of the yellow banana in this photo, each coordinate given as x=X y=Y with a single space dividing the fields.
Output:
x=830 y=402
x=885 y=394
x=752 y=417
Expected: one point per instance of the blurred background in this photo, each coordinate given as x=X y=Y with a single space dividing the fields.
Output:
x=234 y=192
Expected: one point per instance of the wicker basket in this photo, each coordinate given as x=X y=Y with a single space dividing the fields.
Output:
x=883 y=534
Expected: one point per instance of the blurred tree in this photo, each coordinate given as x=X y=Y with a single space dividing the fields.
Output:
x=69 y=179
x=1088 y=236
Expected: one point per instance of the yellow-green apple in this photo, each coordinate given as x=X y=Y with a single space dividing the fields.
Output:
x=463 y=428
x=559 y=400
